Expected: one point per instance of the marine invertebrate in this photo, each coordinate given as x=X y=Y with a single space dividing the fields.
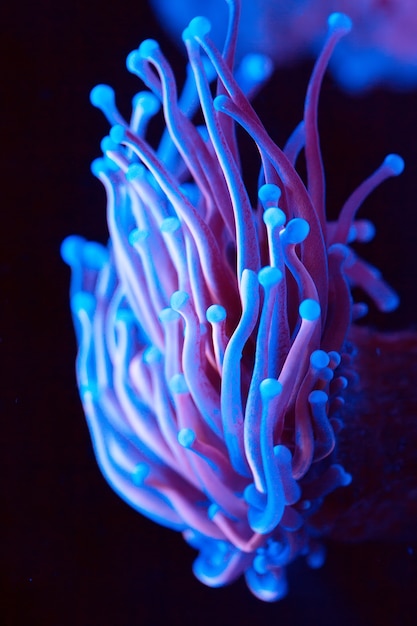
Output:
x=382 y=48
x=211 y=332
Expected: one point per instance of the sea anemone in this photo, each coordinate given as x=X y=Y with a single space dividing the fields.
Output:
x=212 y=330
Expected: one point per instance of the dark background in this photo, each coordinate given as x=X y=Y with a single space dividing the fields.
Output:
x=71 y=552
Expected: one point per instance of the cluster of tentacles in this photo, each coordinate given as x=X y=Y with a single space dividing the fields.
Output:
x=211 y=331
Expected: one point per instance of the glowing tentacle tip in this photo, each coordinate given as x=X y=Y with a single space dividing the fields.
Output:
x=168 y=315
x=117 y=133
x=102 y=97
x=179 y=300
x=102 y=166
x=198 y=28
x=345 y=478
x=221 y=103
x=316 y=558
x=269 y=276
x=136 y=237
x=83 y=301
x=178 y=385
x=269 y=195
x=213 y=510
x=335 y=358
x=274 y=217
x=309 y=310
x=140 y=473
x=97 y=167
x=186 y=437
x=147 y=48
x=108 y=145
x=339 y=22
x=395 y=163
x=270 y=388
x=170 y=225
x=363 y=231
x=71 y=249
x=319 y=359
x=133 y=61
x=152 y=355
x=318 y=397
x=256 y=67
x=390 y=303
x=147 y=101
x=215 y=313
x=135 y=171
x=296 y=231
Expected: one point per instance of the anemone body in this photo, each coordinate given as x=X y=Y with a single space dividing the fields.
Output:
x=211 y=332
x=381 y=50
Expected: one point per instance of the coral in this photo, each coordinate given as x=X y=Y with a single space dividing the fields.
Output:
x=212 y=328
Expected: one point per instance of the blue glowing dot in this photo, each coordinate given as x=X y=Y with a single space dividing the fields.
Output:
x=344 y=477
x=364 y=231
x=71 y=249
x=395 y=163
x=136 y=170
x=199 y=27
x=98 y=167
x=125 y=316
x=215 y=313
x=340 y=22
x=335 y=358
x=133 y=61
x=103 y=165
x=343 y=381
x=269 y=276
x=178 y=384
x=102 y=97
x=256 y=66
x=169 y=315
x=138 y=236
x=213 y=510
x=274 y=217
x=186 y=437
x=108 y=145
x=318 y=397
x=319 y=359
x=309 y=310
x=316 y=557
x=147 y=48
x=117 y=133
x=140 y=473
x=296 y=230
x=220 y=103
x=148 y=102
x=170 y=225
x=83 y=301
x=179 y=299
x=152 y=355
x=260 y=564
x=269 y=194
x=270 y=388
x=390 y=302
x=89 y=393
